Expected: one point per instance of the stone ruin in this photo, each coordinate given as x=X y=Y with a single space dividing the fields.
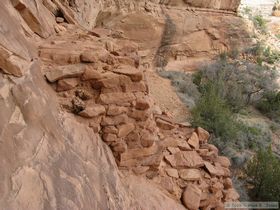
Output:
x=104 y=85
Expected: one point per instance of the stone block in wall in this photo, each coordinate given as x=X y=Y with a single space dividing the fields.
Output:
x=62 y=72
x=125 y=129
x=139 y=153
x=115 y=120
x=136 y=75
x=116 y=98
x=135 y=87
x=185 y=159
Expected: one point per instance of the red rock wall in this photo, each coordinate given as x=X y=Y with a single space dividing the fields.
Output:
x=231 y=5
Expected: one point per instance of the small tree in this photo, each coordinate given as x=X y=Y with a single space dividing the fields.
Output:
x=263 y=172
x=213 y=113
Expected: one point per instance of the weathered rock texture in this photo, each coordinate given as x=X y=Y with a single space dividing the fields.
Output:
x=86 y=85
x=180 y=38
x=215 y=4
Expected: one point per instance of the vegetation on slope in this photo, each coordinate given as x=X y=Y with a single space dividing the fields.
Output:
x=270 y=105
x=220 y=97
x=227 y=90
x=263 y=173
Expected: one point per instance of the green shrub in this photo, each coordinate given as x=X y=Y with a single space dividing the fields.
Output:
x=271 y=56
x=239 y=85
x=257 y=49
x=223 y=56
x=253 y=135
x=263 y=172
x=270 y=104
x=197 y=77
x=234 y=53
x=247 y=10
x=264 y=53
x=226 y=89
x=260 y=23
x=213 y=113
x=222 y=74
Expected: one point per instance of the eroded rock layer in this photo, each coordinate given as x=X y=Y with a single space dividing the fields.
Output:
x=79 y=129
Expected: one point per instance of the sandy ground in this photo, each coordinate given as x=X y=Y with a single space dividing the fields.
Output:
x=165 y=96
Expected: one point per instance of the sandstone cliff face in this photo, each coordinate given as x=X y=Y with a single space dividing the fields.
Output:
x=87 y=13
x=62 y=97
x=177 y=35
x=177 y=38
x=215 y=4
